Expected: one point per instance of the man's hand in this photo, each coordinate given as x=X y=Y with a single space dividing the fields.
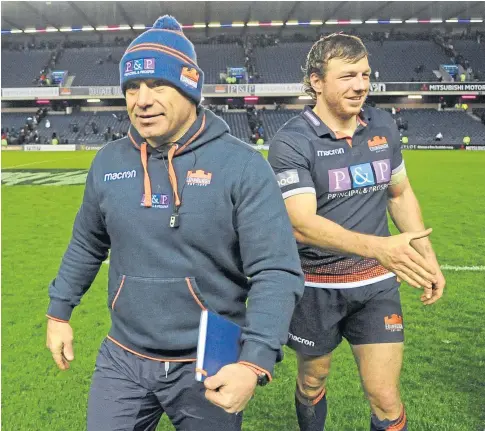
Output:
x=438 y=287
x=59 y=342
x=231 y=388
x=397 y=255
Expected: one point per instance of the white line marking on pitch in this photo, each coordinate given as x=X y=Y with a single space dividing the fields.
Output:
x=443 y=267
x=462 y=268
x=37 y=163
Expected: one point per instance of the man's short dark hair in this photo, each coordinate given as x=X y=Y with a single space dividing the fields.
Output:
x=337 y=45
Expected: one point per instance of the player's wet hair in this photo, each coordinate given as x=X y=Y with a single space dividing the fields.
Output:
x=337 y=45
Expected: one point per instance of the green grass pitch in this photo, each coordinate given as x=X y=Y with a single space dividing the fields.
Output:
x=443 y=380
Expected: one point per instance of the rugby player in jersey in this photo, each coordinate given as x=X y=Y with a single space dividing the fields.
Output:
x=339 y=167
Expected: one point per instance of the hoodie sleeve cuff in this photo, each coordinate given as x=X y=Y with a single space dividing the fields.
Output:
x=59 y=310
x=257 y=355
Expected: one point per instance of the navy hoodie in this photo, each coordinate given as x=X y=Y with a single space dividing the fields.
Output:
x=231 y=241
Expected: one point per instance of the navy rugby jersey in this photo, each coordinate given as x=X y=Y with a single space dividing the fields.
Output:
x=350 y=177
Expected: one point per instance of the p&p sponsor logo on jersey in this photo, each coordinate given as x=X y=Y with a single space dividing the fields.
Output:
x=158 y=201
x=359 y=179
x=287 y=178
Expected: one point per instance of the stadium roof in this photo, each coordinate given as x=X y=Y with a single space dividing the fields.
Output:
x=76 y=14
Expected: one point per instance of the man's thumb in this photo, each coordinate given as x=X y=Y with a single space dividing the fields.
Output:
x=213 y=382
x=418 y=235
x=68 y=351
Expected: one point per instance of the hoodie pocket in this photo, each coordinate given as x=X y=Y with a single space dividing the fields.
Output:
x=158 y=313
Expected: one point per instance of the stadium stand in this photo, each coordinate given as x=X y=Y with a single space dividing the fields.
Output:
x=238 y=123
x=215 y=58
x=273 y=120
x=425 y=124
x=92 y=66
x=473 y=52
x=282 y=63
x=19 y=69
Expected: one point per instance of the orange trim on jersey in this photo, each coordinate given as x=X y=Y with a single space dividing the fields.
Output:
x=361 y=121
x=376 y=271
x=251 y=365
x=56 y=319
x=146 y=356
x=118 y=293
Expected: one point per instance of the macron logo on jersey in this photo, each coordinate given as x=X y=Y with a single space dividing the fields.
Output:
x=323 y=153
x=113 y=176
x=288 y=177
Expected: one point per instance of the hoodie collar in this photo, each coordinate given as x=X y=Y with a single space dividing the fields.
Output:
x=195 y=130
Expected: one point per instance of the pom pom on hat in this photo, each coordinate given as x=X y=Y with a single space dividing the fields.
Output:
x=167 y=22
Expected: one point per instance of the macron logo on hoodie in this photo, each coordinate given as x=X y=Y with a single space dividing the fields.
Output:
x=113 y=176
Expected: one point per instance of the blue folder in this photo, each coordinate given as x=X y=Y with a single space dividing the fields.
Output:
x=219 y=344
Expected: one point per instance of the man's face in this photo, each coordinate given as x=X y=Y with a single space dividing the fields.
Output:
x=345 y=86
x=157 y=110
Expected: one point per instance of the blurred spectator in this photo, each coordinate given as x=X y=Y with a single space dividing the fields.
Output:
x=376 y=75
x=438 y=137
x=405 y=140
x=54 y=140
x=466 y=140
x=47 y=124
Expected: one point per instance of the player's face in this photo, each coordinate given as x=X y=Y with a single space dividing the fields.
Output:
x=157 y=110
x=346 y=86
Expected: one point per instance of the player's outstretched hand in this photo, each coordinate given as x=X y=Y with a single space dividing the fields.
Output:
x=59 y=342
x=397 y=255
x=231 y=388
x=438 y=288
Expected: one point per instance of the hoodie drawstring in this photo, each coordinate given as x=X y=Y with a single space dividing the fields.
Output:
x=146 y=179
x=172 y=176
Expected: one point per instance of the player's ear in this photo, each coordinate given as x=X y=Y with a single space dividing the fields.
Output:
x=316 y=83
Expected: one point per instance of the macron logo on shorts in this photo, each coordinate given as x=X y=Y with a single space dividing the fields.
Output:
x=287 y=178
x=301 y=340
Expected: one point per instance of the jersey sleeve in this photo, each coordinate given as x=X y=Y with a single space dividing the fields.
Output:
x=397 y=162
x=291 y=164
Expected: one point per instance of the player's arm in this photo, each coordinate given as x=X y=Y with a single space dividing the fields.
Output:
x=404 y=209
x=87 y=249
x=312 y=229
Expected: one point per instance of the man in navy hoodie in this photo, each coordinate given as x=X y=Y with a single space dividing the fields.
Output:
x=194 y=220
